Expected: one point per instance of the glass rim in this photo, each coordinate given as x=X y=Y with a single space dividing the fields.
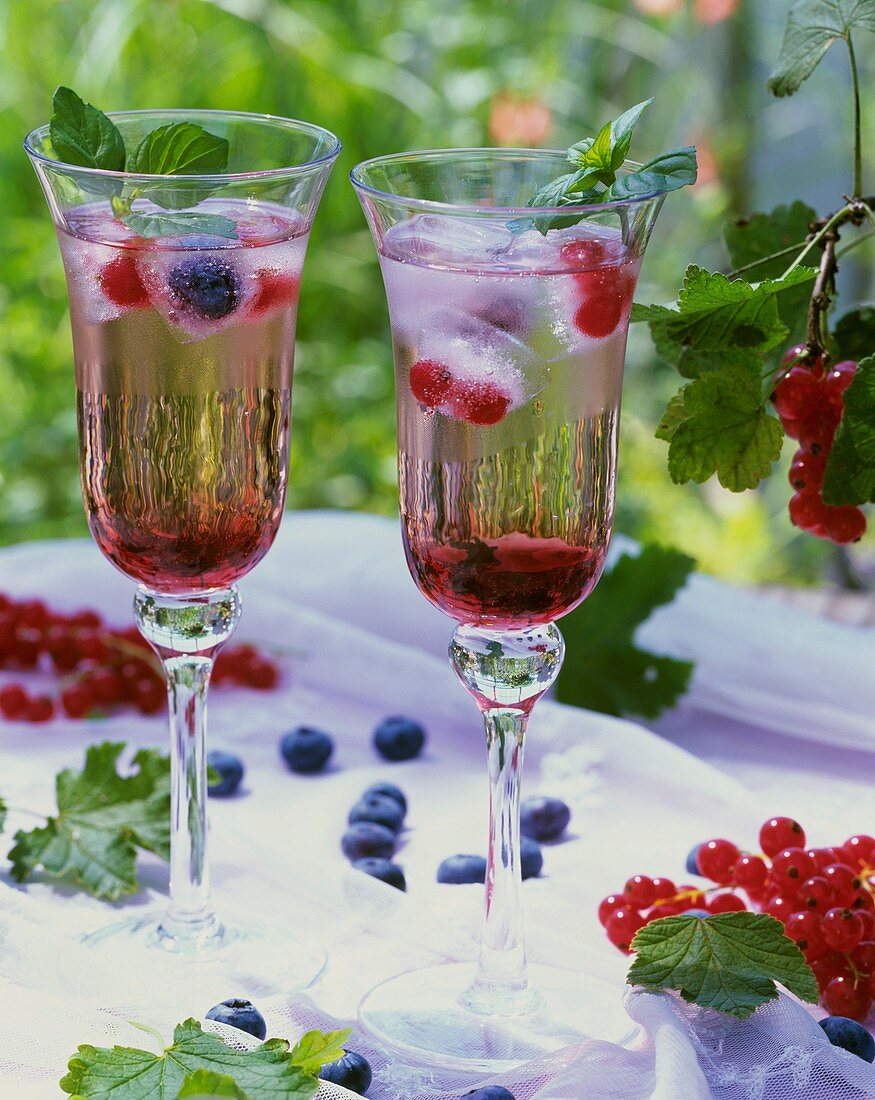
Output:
x=184 y=115
x=438 y=205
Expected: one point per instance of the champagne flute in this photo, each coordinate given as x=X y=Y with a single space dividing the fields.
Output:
x=509 y=329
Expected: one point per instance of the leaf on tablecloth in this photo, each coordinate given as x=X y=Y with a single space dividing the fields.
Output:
x=102 y=819
x=205 y=1083
x=604 y=670
x=316 y=1049
x=730 y=961
x=268 y=1072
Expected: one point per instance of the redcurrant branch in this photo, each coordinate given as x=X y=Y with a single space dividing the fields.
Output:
x=821 y=295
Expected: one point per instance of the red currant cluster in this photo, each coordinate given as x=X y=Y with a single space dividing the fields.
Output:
x=809 y=401
x=100 y=668
x=825 y=898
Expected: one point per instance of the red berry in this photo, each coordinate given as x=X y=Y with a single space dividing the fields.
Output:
x=797 y=394
x=806 y=471
x=261 y=674
x=817 y=894
x=868 y=919
x=781 y=907
x=807 y=512
x=818 y=428
x=751 y=873
x=32 y=613
x=842 y=929
x=430 y=382
x=860 y=851
x=480 y=403
x=664 y=888
x=839 y=378
x=844 y=882
x=639 y=892
x=275 y=289
x=622 y=926
x=823 y=857
x=828 y=966
x=609 y=905
x=76 y=700
x=39 y=709
x=863 y=956
x=716 y=859
x=693 y=898
x=608 y=298
x=792 y=867
x=121 y=283
x=863 y=901
x=106 y=685
x=85 y=620
x=27 y=646
x=13 y=701
x=584 y=254
x=149 y=695
x=799 y=353
x=805 y=929
x=844 y=523
x=92 y=646
x=726 y=903
x=844 y=996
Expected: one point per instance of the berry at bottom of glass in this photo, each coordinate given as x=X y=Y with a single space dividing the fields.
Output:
x=509 y=373
x=184 y=350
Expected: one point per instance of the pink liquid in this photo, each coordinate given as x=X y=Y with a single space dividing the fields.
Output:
x=509 y=360
x=183 y=353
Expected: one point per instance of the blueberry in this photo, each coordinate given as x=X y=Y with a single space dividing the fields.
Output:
x=239 y=1013
x=544 y=818
x=207 y=285
x=230 y=769
x=379 y=809
x=531 y=858
x=352 y=1071
x=365 y=838
x=306 y=750
x=462 y=869
x=695 y=913
x=388 y=790
x=850 y=1036
x=399 y=738
x=490 y=1092
x=692 y=865
x=383 y=869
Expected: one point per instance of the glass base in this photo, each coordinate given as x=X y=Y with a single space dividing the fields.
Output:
x=426 y=1016
x=160 y=961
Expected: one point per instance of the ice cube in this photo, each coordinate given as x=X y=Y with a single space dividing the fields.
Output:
x=83 y=262
x=443 y=239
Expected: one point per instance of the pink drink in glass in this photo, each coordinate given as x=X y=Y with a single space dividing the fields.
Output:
x=509 y=370
x=184 y=349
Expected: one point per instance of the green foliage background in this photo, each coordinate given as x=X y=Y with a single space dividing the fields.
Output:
x=387 y=75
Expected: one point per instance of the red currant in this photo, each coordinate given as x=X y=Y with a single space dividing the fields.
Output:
x=817 y=894
x=76 y=700
x=622 y=925
x=781 y=907
x=817 y=430
x=800 y=353
x=608 y=298
x=863 y=956
x=430 y=382
x=839 y=378
x=609 y=906
x=844 y=523
x=715 y=860
x=806 y=471
x=859 y=851
x=275 y=289
x=726 y=903
x=779 y=833
x=844 y=996
x=792 y=867
x=121 y=283
x=480 y=403
x=751 y=872
x=13 y=701
x=807 y=512
x=844 y=882
x=584 y=255
x=39 y=709
x=797 y=394
x=639 y=892
x=805 y=929
x=664 y=888
x=149 y=695
x=842 y=929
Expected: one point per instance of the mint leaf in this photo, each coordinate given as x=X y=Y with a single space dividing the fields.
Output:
x=316 y=1049
x=604 y=670
x=850 y=470
x=667 y=172
x=167 y=225
x=721 y=427
x=204 y=1083
x=621 y=132
x=102 y=819
x=125 y=1073
x=83 y=135
x=180 y=149
x=730 y=961
x=812 y=27
x=854 y=334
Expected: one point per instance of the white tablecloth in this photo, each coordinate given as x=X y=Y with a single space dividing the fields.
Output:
x=777 y=721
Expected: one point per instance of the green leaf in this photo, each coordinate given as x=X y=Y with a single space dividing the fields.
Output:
x=604 y=670
x=168 y=225
x=850 y=470
x=729 y=962
x=205 y=1083
x=316 y=1049
x=102 y=819
x=125 y=1073
x=812 y=27
x=83 y=135
x=3 y=812
x=667 y=172
x=621 y=132
x=854 y=334
x=723 y=428
x=180 y=149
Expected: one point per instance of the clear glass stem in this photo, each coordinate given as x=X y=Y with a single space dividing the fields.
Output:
x=186 y=633
x=506 y=673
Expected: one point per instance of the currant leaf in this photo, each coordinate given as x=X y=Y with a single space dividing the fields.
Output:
x=854 y=334
x=204 y=1083
x=850 y=471
x=604 y=670
x=316 y=1049
x=812 y=27
x=729 y=962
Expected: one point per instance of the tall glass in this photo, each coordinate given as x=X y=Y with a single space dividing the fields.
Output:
x=184 y=345
x=509 y=328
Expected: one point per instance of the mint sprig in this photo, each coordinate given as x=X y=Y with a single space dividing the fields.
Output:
x=268 y=1072
x=730 y=962
x=83 y=135
x=597 y=162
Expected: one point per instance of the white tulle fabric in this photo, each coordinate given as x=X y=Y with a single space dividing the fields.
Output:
x=360 y=643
